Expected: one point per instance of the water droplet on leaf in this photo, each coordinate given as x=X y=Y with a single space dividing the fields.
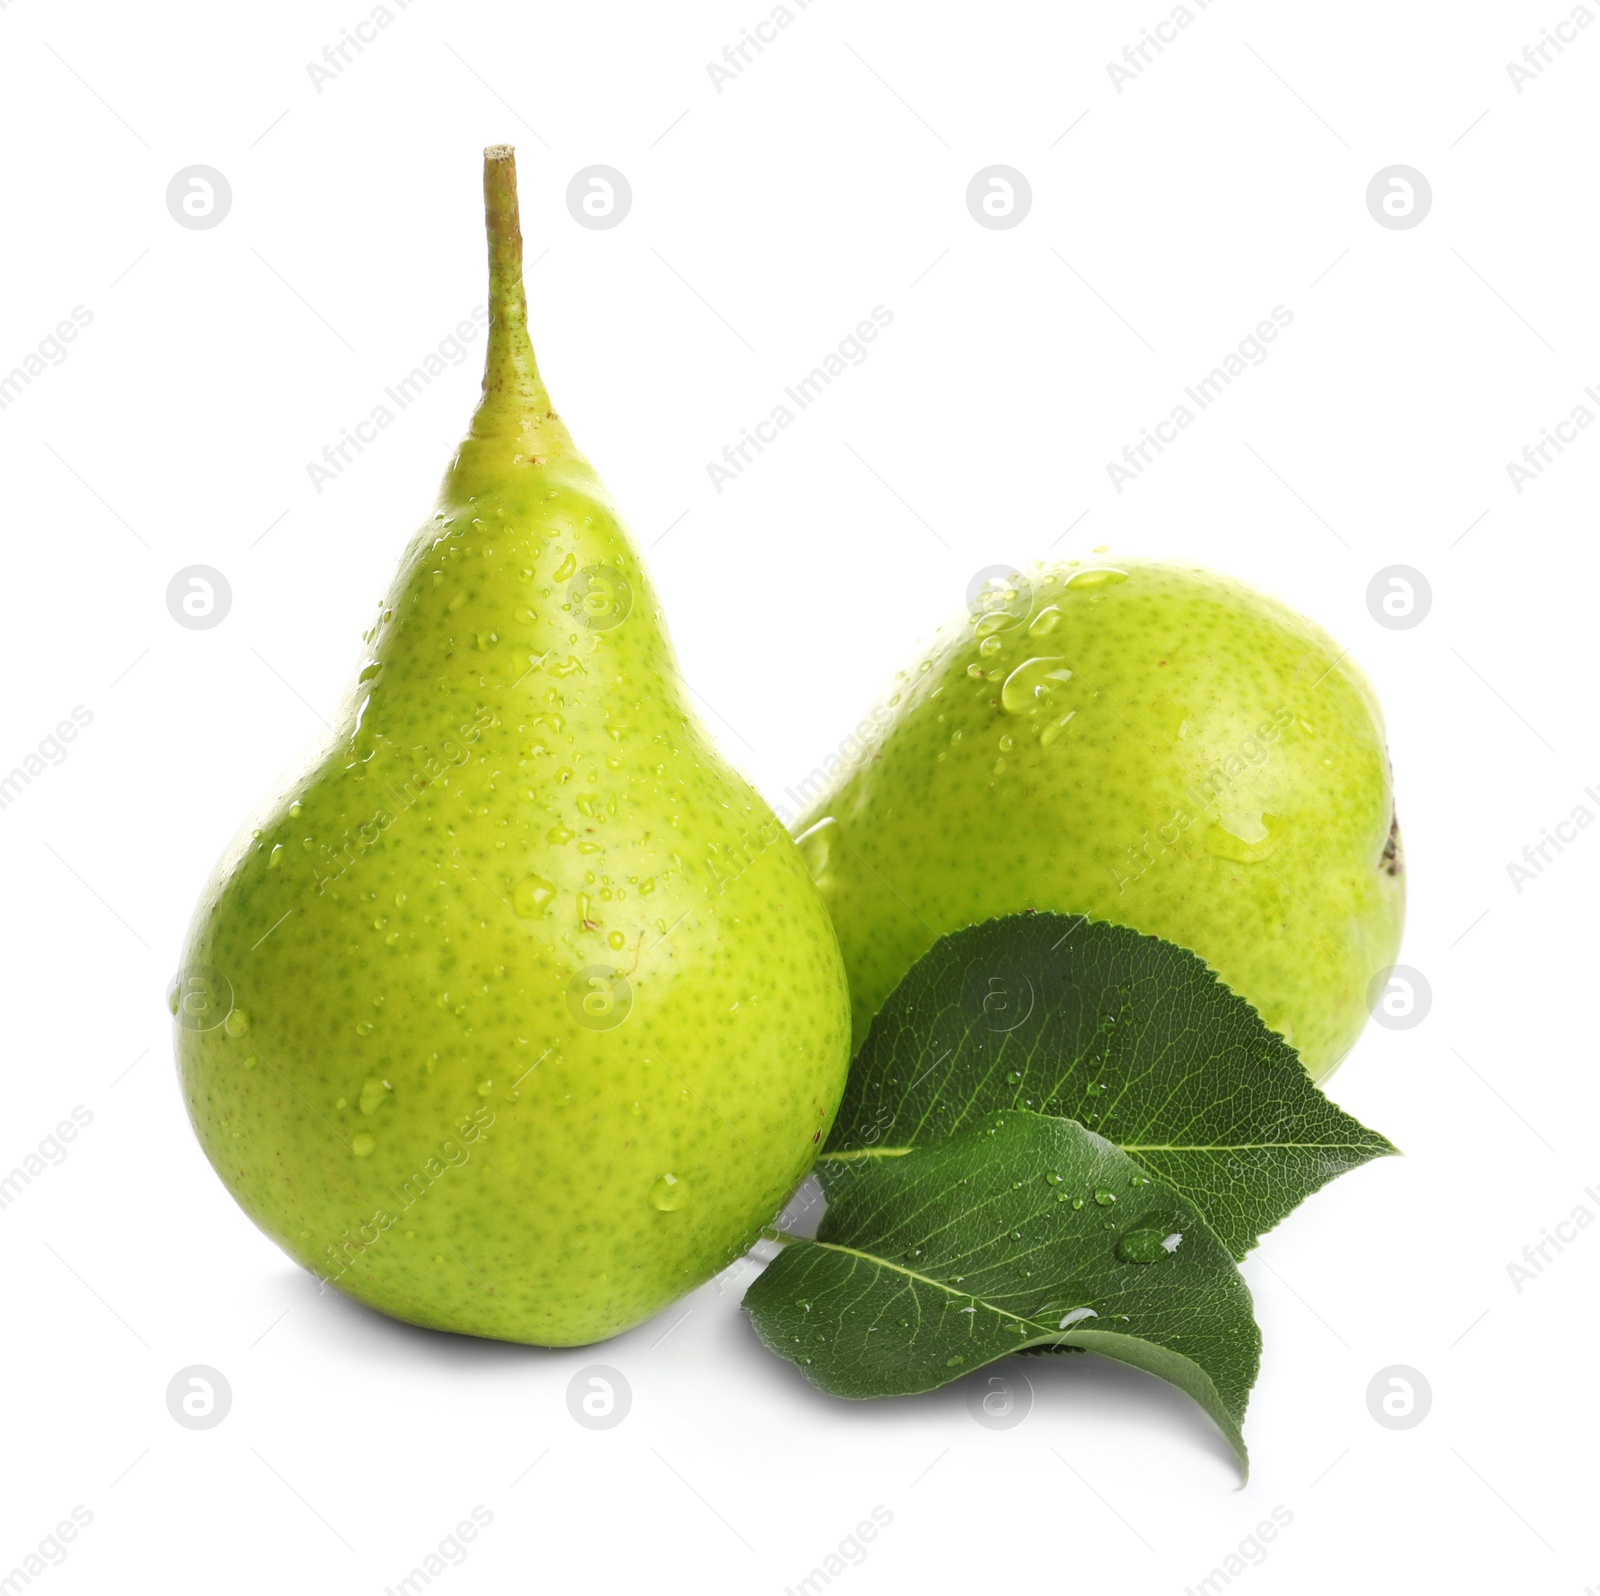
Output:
x=1147 y=1246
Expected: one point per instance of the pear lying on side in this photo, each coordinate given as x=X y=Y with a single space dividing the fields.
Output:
x=517 y=1014
x=1140 y=742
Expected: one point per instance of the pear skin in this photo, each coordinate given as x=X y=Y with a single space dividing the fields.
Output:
x=517 y=1013
x=1147 y=743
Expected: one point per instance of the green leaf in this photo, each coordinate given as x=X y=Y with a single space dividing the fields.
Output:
x=1131 y=1036
x=1023 y=1231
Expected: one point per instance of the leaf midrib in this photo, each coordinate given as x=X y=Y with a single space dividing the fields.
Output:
x=928 y=1280
x=1140 y=1147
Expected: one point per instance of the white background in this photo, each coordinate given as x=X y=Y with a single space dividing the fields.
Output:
x=768 y=218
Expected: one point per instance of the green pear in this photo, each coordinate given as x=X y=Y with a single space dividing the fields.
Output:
x=517 y=1013
x=1141 y=742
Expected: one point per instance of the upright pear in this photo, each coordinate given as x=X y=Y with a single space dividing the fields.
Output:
x=1146 y=743
x=516 y=1013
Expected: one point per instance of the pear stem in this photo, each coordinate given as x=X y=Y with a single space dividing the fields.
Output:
x=514 y=397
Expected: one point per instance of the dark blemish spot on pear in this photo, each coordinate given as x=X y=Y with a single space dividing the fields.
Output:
x=1394 y=858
